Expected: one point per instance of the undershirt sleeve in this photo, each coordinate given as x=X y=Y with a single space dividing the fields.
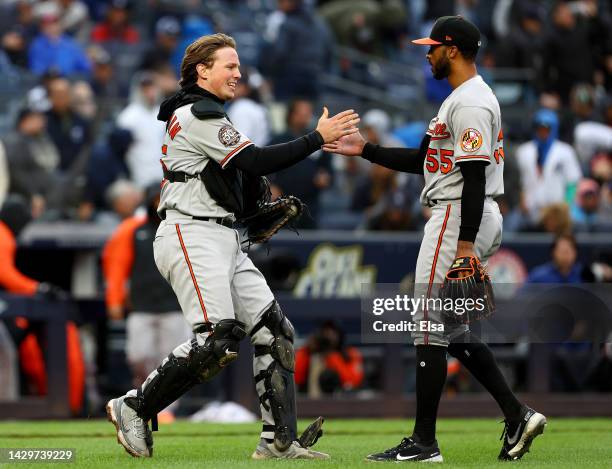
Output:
x=472 y=199
x=407 y=160
x=260 y=161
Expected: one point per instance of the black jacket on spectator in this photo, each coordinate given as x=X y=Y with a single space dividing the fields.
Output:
x=70 y=133
x=569 y=58
x=301 y=53
x=107 y=164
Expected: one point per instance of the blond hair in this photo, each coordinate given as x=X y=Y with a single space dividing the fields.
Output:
x=202 y=51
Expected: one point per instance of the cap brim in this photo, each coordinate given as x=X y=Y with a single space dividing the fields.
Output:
x=426 y=41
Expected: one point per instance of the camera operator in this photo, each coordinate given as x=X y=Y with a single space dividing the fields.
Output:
x=326 y=365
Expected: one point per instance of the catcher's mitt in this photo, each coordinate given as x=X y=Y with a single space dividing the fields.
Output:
x=468 y=285
x=271 y=217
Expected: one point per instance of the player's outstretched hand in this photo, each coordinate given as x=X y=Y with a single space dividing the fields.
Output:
x=349 y=145
x=332 y=128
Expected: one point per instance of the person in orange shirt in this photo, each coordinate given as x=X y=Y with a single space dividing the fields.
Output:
x=326 y=365
x=14 y=216
x=155 y=323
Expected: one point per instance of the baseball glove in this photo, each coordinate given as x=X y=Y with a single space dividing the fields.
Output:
x=271 y=217
x=468 y=285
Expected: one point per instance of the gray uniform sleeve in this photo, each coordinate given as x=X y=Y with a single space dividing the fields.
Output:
x=472 y=129
x=217 y=139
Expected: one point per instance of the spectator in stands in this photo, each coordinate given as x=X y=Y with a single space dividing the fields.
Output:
x=555 y=219
x=167 y=32
x=140 y=118
x=15 y=49
x=109 y=91
x=107 y=165
x=123 y=197
x=70 y=132
x=523 y=46
x=587 y=214
x=569 y=53
x=33 y=161
x=14 y=216
x=386 y=202
x=366 y=25
x=246 y=112
x=72 y=135
x=591 y=136
x=73 y=15
x=326 y=364
x=563 y=267
x=166 y=80
x=549 y=168
x=83 y=101
x=134 y=286
x=392 y=210
x=581 y=109
x=54 y=51
x=300 y=55
x=18 y=28
x=309 y=177
x=376 y=124
x=116 y=27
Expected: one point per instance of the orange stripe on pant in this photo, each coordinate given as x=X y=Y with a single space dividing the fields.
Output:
x=435 y=261
x=195 y=283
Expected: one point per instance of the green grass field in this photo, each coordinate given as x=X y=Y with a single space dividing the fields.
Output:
x=567 y=443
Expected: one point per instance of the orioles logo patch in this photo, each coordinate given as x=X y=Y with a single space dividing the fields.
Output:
x=229 y=136
x=471 y=140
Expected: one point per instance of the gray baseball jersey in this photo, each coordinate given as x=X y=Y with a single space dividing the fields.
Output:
x=467 y=128
x=189 y=145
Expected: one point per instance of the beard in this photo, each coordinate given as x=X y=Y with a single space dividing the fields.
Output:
x=442 y=69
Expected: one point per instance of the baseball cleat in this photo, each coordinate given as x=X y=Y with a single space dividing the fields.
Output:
x=518 y=436
x=409 y=450
x=267 y=450
x=133 y=433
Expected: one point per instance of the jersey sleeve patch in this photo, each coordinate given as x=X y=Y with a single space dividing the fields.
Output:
x=228 y=136
x=471 y=140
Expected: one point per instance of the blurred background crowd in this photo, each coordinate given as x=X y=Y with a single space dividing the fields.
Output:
x=82 y=80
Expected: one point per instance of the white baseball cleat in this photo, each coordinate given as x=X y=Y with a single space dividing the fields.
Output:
x=133 y=433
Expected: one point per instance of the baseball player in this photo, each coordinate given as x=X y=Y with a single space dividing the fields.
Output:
x=221 y=293
x=462 y=159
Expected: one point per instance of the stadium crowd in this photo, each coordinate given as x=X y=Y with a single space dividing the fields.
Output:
x=84 y=79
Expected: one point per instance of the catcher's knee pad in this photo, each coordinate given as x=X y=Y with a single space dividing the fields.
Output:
x=220 y=348
x=283 y=334
x=177 y=374
x=278 y=396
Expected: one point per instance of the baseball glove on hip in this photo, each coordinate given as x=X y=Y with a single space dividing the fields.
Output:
x=271 y=217
x=468 y=285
